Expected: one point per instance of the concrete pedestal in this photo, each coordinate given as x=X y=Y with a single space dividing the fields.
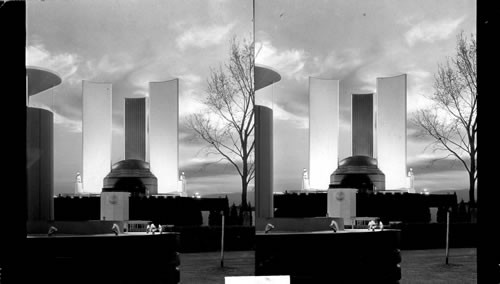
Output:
x=433 y=211
x=115 y=206
x=342 y=203
x=204 y=215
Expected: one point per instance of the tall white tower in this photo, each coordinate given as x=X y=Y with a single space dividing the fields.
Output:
x=97 y=134
x=323 y=131
x=391 y=130
x=163 y=134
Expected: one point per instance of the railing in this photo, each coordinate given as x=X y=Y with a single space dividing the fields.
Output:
x=137 y=226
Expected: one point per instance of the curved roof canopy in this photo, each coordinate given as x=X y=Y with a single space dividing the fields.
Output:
x=265 y=76
x=358 y=164
x=131 y=164
x=40 y=80
x=358 y=161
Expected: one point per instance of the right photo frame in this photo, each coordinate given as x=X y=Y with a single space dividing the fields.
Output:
x=366 y=141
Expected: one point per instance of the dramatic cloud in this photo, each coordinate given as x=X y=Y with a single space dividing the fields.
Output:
x=190 y=79
x=420 y=86
x=289 y=62
x=203 y=37
x=442 y=180
x=115 y=63
x=64 y=64
x=301 y=122
x=431 y=31
x=338 y=63
x=71 y=125
x=190 y=102
x=159 y=71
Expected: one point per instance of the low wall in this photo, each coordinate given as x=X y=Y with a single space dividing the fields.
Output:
x=74 y=227
x=127 y=258
x=299 y=224
x=165 y=210
x=345 y=257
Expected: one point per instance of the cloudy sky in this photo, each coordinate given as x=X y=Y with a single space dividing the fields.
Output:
x=130 y=43
x=356 y=42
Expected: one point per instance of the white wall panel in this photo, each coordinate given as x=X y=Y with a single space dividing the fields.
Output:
x=391 y=130
x=163 y=134
x=97 y=134
x=323 y=131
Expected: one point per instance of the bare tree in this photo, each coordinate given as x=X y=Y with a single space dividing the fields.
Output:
x=228 y=124
x=452 y=120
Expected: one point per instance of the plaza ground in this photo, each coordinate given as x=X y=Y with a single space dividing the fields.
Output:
x=417 y=266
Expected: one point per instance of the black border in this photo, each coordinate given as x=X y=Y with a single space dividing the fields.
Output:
x=13 y=175
x=488 y=251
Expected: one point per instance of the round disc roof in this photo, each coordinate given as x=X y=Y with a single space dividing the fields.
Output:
x=265 y=76
x=40 y=80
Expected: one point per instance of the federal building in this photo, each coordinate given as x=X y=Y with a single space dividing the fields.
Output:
x=377 y=127
x=151 y=138
x=336 y=184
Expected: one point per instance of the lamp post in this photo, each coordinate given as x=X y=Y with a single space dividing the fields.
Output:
x=222 y=242
x=447 y=233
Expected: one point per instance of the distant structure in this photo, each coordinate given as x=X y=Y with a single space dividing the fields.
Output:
x=411 y=177
x=305 y=181
x=78 y=184
x=183 y=185
x=136 y=127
